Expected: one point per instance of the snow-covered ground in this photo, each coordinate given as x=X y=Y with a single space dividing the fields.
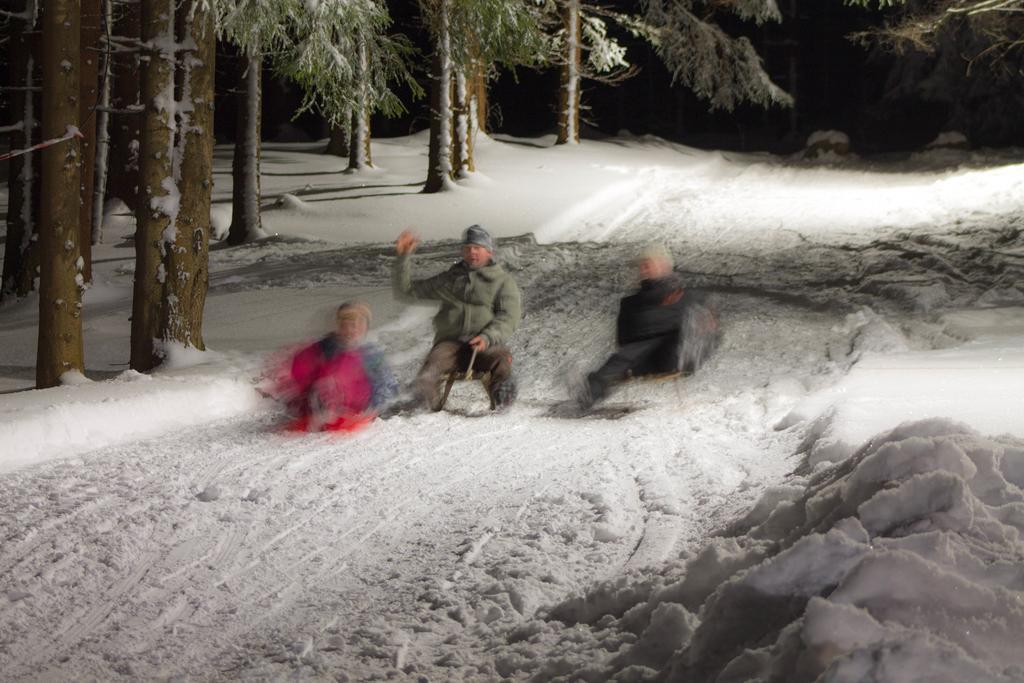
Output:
x=838 y=491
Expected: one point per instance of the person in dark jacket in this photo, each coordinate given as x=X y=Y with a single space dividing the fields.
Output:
x=480 y=309
x=648 y=329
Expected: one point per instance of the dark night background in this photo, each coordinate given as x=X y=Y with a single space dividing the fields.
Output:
x=884 y=102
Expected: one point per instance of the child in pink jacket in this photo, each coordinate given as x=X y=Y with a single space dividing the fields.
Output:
x=340 y=382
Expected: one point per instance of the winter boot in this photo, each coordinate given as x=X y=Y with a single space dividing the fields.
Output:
x=589 y=391
x=503 y=394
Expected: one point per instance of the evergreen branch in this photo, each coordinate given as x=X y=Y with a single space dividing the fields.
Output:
x=723 y=70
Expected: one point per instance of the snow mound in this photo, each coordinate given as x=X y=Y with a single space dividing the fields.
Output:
x=220 y=221
x=86 y=417
x=905 y=562
x=832 y=137
x=950 y=139
x=118 y=219
x=980 y=383
x=827 y=146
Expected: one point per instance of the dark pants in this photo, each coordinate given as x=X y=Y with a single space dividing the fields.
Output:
x=454 y=356
x=655 y=356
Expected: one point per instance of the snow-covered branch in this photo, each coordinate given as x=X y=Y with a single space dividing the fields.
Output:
x=27 y=15
x=725 y=71
x=314 y=43
x=997 y=23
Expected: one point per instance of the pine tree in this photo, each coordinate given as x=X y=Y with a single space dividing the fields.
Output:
x=344 y=59
x=318 y=45
x=176 y=158
x=360 y=154
x=126 y=128
x=466 y=36
x=723 y=70
x=20 y=254
x=106 y=84
x=255 y=28
x=186 y=248
x=462 y=126
x=479 y=100
x=340 y=138
x=920 y=26
x=569 y=85
x=246 y=222
x=963 y=56
x=439 y=163
x=60 y=290
x=579 y=44
x=88 y=98
x=156 y=212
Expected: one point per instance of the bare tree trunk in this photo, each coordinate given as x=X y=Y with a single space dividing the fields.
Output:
x=439 y=169
x=106 y=82
x=360 y=156
x=31 y=173
x=339 y=144
x=126 y=135
x=60 y=288
x=569 y=92
x=155 y=212
x=478 y=95
x=186 y=257
x=20 y=228
x=246 y=223
x=462 y=141
x=90 y=50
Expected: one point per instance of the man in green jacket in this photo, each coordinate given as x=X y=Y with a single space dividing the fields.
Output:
x=480 y=309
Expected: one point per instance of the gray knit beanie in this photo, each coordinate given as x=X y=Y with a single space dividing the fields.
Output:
x=475 y=234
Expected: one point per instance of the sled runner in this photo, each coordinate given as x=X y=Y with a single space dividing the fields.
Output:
x=655 y=377
x=570 y=410
x=451 y=378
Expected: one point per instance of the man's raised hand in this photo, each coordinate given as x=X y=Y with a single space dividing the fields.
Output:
x=406 y=243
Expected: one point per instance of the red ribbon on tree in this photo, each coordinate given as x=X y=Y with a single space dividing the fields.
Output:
x=72 y=132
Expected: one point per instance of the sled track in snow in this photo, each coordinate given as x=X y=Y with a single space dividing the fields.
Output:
x=490 y=515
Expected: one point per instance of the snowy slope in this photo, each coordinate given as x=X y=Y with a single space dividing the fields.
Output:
x=166 y=529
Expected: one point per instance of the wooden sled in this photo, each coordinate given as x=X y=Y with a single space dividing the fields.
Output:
x=659 y=378
x=451 y=378
x=662 y=377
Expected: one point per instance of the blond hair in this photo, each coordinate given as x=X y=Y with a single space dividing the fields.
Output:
x=355 y=309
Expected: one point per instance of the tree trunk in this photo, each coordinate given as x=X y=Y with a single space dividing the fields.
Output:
x=246 y=223
x=126 y=132
x=106 y=82
x=569 y=92
x=478 y=94
x=90 y=49
x=339 y=144
x=439 y=168
x=20 y=226
x=187 y=259
x=31 y=173
x=462 y=141
x=156 y=212
x=60 y=287
x=360 y=156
